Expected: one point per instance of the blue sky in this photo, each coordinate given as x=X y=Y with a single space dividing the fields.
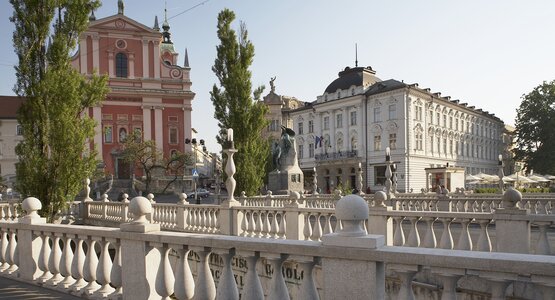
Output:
x=486 y=53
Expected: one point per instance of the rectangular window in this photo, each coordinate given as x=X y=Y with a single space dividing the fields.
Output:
x=379 y=175
x=438 y=145
x=326 y=123
x=301 y=148
x=173 y=135
x=108 y=134
x=310 y=126
x=438 y=119
x=419 y=141
x=300 y=128
x=431 y=117
x=138 y=134
x=377 y=142
x=392 y=141
x=274 y=125
x=444 y=120
x=19 y=130
x=311 y=150
x=339 y=119
x=392 y=112
x=418 y=113
x=457 y=124
x=450 y=146
x=377 y=114
x=353 y=118
x=445 y=146
x=450 y=122
x=432 y=144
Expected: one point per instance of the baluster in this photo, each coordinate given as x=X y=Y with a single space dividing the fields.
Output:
x=406 y=274
x=115 y=273
x=89 y=268
x=184 y=281
x=274 y=228
x=204 y=286
x=430 y=236
x=189 y=217
x=327 y=226
x=465 y=241
x=278 y=289
x=449 y=280
x=104 y=270
x=3 y=250
x=414 y=238
x=484 y=242
x=399 y=235
x=206 y=220
x=307 y=289
x=307 y=230
x=12 y=253
x=2 y=213
x=43 y=259
x=266 y=226
x=54 y=262
x=259 y=229
x=244 y=227
x=282 y=226
x=77 y=266
x=446 y=241
x=165 y=280
x=196 y=219
x=317 y=232
x=9 y=213
x=252 y=289
x=251 y=224
x=227 y=287
x=543 y=247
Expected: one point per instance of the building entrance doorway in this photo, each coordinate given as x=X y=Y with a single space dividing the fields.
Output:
x=123 y=169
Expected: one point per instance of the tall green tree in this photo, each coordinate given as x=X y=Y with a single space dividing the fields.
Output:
x=54 y=156
x=237 y=106
x=535 y=129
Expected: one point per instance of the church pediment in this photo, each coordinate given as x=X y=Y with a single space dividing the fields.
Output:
x=120 y=23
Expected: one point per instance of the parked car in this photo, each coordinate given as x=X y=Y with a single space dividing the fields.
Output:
x=201 y=193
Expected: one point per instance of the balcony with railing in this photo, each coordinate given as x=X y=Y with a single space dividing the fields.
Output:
x=336 y=155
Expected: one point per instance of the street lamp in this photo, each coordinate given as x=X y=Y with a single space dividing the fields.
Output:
x=501 y=174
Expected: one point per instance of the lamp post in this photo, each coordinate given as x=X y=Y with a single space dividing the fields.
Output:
x=360 y=180
x=230 y=183
x=388 y=173
x=501 y=174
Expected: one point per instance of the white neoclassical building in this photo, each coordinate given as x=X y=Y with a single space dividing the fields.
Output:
x=359 y=115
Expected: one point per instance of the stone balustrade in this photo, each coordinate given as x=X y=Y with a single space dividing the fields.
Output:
x=8 y=210
x=138 y=261
x=459 y=227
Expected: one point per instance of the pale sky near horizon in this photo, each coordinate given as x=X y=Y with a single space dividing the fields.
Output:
x=485 y=53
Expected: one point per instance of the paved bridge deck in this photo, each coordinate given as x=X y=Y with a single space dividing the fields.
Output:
x=16 y=290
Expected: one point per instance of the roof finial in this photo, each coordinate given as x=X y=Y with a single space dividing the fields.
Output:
x=356 y=55
x=186 y=62
x=166 y=27
x=92 y=17
x=120 y=7
x=156 y=27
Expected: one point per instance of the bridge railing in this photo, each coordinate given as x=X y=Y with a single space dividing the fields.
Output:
x=458 y=228
x=147 y=263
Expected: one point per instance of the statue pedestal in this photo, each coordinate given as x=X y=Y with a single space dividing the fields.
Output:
x=290 y=179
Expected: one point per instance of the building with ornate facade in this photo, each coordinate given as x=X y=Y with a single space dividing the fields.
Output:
x=150 y=92
x=359 y=115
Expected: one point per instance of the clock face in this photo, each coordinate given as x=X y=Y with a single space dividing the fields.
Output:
x=121 y=44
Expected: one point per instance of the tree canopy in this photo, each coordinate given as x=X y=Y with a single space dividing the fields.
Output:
x=146 y=156
x=54 y=156
x=237 y=106
x=535 y=129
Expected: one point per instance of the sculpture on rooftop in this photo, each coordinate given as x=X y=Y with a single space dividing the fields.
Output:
x=272 y=86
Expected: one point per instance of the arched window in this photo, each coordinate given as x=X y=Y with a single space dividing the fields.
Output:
x=121 y=65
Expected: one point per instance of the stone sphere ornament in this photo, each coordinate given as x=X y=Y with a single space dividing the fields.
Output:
x=140 y=207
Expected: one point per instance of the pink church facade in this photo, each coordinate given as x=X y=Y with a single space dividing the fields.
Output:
x=149 y=92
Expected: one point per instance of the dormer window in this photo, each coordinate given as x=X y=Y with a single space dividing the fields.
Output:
x=121 y=65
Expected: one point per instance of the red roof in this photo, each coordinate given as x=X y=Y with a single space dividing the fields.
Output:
x=9 y=106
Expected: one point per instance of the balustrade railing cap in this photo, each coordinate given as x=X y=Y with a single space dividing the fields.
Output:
x=351 y=207
x=31 y=205
x=511 y=198
x=139 y=207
